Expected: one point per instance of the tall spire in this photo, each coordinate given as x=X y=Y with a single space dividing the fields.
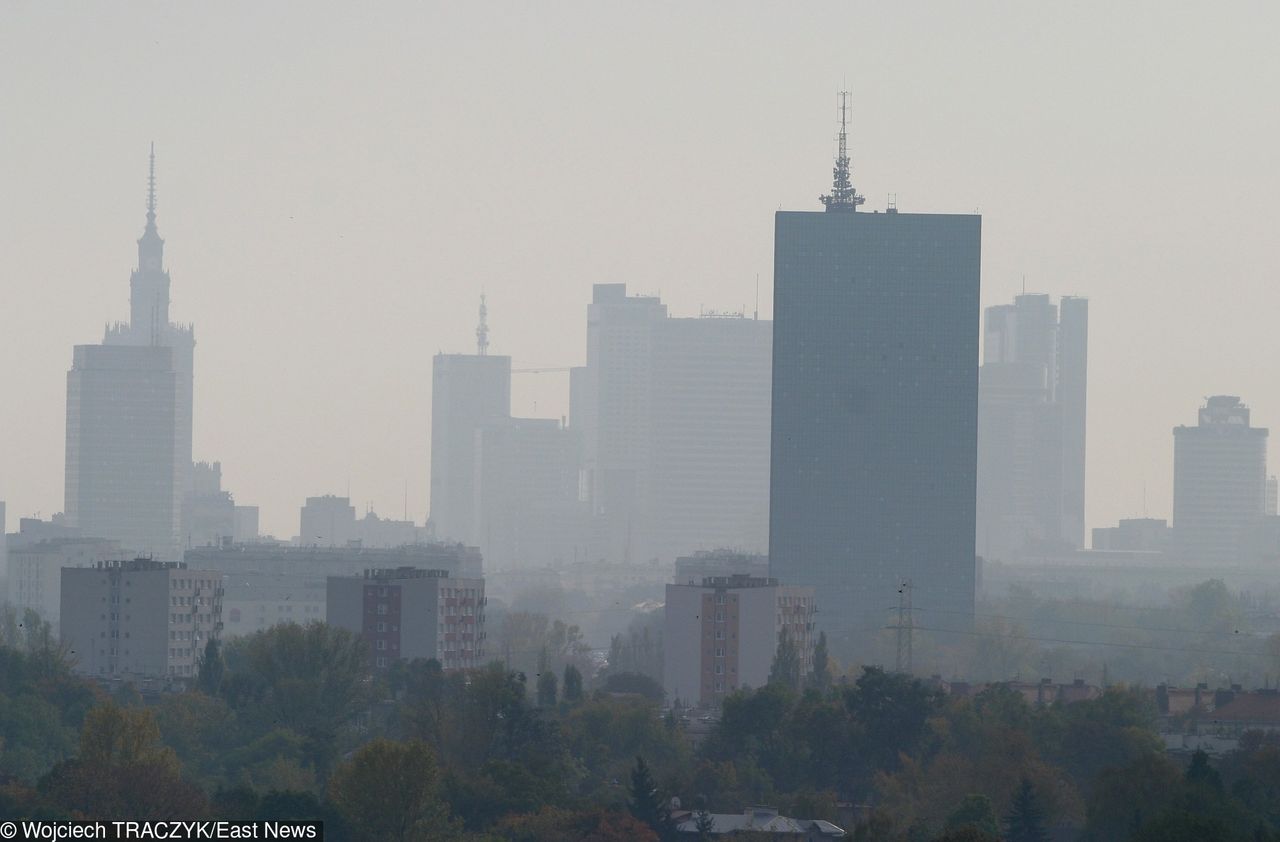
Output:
x=843 y=198
x=482 y=330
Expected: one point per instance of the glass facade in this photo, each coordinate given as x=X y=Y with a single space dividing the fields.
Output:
x=874 y=438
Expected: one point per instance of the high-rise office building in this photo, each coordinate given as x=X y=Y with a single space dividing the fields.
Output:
x=1219 y=481
x=675 y=420
x=875 y=364
x=129 y=414
x=527 y=501
x=1031 y=427
x=467 y=391
x=122 y=472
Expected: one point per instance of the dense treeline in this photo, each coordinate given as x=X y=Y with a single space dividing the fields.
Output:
x=287 y=724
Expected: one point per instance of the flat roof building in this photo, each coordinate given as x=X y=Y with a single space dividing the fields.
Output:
x=407 y=613
x=875 y=390
x=139 y=619
x=722 y=634
x=1219 y=481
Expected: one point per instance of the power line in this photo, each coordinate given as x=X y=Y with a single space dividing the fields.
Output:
x=1090 y=623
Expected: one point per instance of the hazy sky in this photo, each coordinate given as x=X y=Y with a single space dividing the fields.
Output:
x=339 y=182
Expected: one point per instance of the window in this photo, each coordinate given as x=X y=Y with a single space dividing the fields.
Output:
x=381 y=646
x=382 y=609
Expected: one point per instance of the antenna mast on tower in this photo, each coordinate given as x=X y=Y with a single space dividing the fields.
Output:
x=482 y=330
x=843 y=198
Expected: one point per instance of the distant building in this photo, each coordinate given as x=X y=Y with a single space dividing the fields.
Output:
x=208 y=512
x=692 y=569
x=674 y=414
x=123 y=475
x=875 y=410
x=139 y=619
x=129 y=416
x=1031 y=423
x=1219 y=481
x=1142 y=534
x=267 y=584
x=35 y=571
x=467 y=392
x=407 y=613
x=527 y=503
x=244 y=529
x=722 y=635
x=330 y=521
x=327 y=521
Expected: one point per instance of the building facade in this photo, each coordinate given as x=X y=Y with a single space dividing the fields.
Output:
x=1219 y=481
x=467 y=392
x=139 y=619
x=407 y=613
x=1031 y=427
x=269 y=584
x=674 y=414
x=123 y=478
x=527 y=493
x=722 y=634
x=35 y=571
x=874 y=440
x=129 y=415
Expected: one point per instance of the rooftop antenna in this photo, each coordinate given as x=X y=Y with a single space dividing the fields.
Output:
x=756 y=314
x=151 y=185
x=482 y=330
x=843 y=198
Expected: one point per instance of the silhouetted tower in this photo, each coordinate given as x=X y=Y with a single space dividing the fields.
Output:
x=482 y=330
x=843 y=198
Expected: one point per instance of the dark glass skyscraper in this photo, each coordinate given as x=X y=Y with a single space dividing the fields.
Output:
x=875 y=386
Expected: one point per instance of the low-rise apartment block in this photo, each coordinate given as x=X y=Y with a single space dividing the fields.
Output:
x=723 y=634
x=407 y=613
x=139 y=619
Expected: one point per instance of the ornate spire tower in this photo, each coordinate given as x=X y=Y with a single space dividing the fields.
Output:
x=149 y=284
x=482 y=330
x=843 y=198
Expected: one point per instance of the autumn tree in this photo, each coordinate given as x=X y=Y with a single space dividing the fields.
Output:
x=389 y=791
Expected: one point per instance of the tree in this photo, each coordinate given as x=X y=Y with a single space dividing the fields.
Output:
x=647 y=803
x=975 y=811
x=211 y=668
x=388 y=791
x=820 y=678
x=554 y=824
x=572 y=684
x=786 y=669
x=123 y=771
x=547 y=689
x=1025 y=821
x=704 y=824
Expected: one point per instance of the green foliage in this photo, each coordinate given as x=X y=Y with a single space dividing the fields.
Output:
x=311 y=677
x=786 y=669
x=635 y=683
x=123 y=771
x=572 y=684
x=820 y=678
x=647 y=803
x=551 y=824
x=976 y=811
x=389 y=791
x=1025 y=821
x=211 y=668
x=547 y=689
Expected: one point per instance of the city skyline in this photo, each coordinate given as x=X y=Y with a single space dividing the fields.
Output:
x=278 y=278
